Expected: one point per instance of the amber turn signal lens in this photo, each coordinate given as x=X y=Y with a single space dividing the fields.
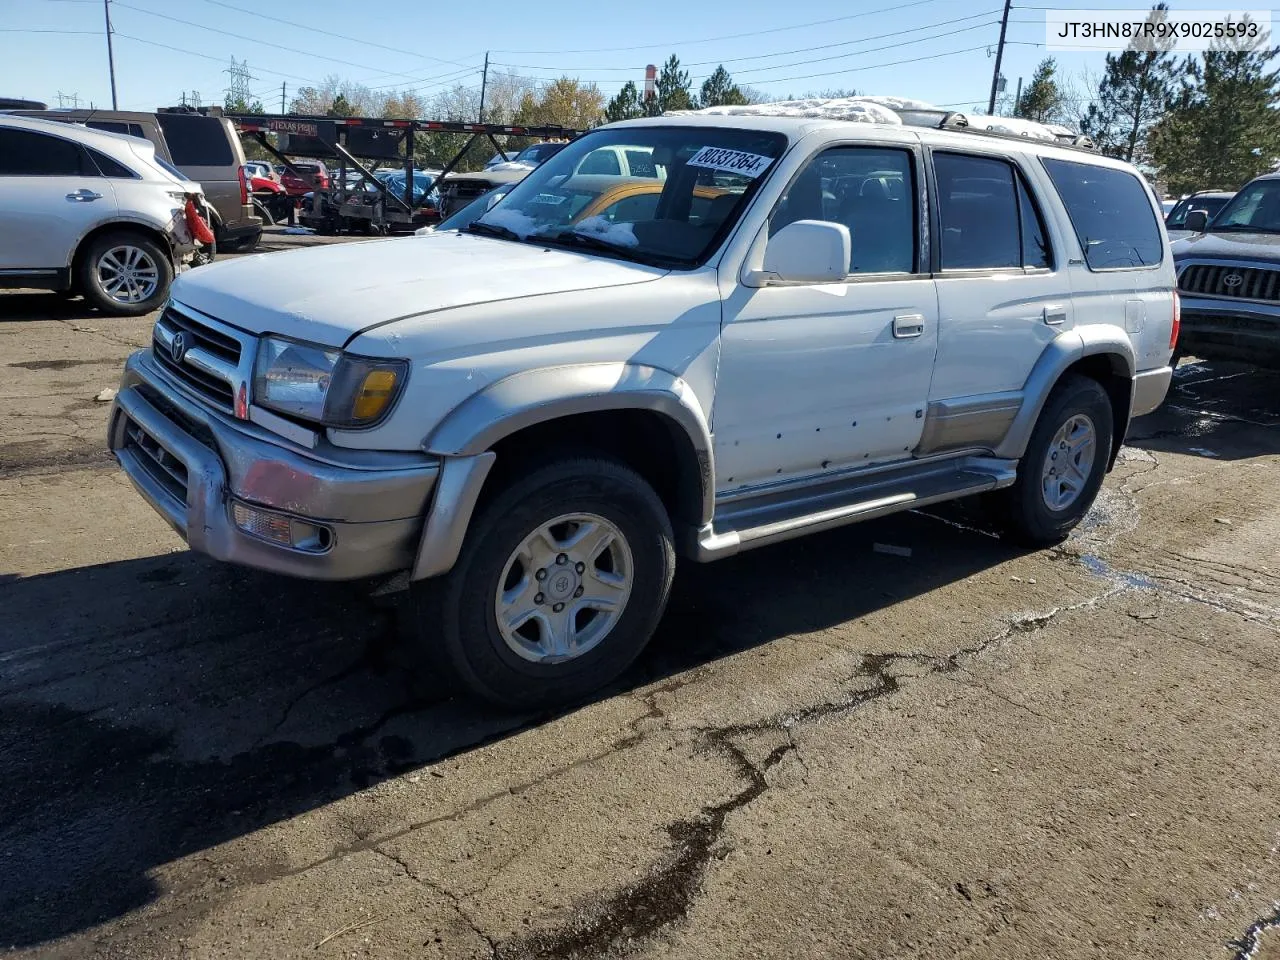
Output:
x=374 y=394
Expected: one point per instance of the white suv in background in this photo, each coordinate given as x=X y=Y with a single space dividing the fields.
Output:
x=802 y=323
x=91 y=212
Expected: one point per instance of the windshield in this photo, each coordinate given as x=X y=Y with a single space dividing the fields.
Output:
x=1209 y=205
x=472 y=211
x=662 y=195
x=1255 y=208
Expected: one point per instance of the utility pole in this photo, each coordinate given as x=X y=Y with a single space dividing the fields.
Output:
x=995 y=75
x=1017 y=99
x=283 y=86
x=111 y=58
x=484 y=83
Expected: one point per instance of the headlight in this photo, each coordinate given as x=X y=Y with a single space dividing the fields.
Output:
x=324 y=385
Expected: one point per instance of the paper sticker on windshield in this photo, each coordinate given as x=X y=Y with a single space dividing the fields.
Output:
x=550 y=199
x=731 y=161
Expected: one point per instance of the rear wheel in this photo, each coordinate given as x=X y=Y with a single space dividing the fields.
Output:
x=1063 y=467
x=559 y=586
x=124 y=273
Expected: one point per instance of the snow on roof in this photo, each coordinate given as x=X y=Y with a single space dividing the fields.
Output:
x=877 y=110
x=1018 y=127
x=861 y=109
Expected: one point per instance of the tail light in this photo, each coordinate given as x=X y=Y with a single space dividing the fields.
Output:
x=244 y=184
x=1177 y=321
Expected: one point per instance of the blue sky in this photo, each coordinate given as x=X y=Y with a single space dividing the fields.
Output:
x=935 y=50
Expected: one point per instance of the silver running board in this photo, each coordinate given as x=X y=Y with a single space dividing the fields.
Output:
x=774 y=516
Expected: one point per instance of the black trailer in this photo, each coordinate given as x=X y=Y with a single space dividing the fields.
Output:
x=366 y=202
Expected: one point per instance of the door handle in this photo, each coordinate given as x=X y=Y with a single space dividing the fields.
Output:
x=83 y=196
x=1054 y=314
x=908 y=325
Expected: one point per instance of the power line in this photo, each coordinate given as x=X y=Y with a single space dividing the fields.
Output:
x=326 y=33
x=248 y=39
x=731 y=36
x=787 y=53
x=811 y=76
x=80 y=33
x=206 y=56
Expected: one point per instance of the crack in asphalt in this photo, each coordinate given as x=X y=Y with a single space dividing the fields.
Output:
x=619 y=923
x=454 y=901
x=1248 y=945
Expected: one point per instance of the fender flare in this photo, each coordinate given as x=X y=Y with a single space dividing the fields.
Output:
x=464 y=438
x=1069 y=347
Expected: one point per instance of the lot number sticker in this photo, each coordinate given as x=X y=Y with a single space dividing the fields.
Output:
x=733 y=161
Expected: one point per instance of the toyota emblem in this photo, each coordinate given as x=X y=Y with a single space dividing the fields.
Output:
x=178 y=347
x=1232 y=280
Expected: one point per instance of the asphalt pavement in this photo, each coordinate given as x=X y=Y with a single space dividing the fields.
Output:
x=829 y=750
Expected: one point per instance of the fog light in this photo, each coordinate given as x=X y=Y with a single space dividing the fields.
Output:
x=280 y=529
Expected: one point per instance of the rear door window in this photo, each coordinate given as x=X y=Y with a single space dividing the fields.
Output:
x=196 y=141
x=110 y=167
x=978 y=204
x=1111 y=214
x=25 y=153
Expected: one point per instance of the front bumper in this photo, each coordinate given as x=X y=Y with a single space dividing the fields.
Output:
x=1224 y=329
x=192 y=464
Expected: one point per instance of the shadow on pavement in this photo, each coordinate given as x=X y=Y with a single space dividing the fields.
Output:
x=154 y=708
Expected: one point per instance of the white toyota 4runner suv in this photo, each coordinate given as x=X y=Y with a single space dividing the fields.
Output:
x=796 y=324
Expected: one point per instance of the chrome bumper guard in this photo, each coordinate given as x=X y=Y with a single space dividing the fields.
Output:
x=193 y=464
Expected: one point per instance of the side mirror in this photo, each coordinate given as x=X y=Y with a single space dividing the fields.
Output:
x=1197 y=221
x=806 y=251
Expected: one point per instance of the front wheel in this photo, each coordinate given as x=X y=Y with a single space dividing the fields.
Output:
x=124 y=273
x=1063 y=467
x=559 y=586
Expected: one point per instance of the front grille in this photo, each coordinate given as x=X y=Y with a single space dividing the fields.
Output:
x=213 y=379
x=159 y=463
x=1244 y=283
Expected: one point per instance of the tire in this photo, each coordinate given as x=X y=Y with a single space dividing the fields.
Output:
x=240 y=245
x=1023 y=511
x=456 y=615
x=117 y=254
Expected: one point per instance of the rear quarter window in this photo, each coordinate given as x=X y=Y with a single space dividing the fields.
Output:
x=1111 y=214
x=196 y=141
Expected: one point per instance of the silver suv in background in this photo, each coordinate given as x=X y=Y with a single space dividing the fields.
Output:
x=91 y=212
x=206 y=149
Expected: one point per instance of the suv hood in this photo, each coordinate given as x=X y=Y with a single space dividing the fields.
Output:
x=328 y=294
x=1228 y=246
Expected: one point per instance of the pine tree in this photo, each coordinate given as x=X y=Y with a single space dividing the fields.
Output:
x=1042 y=100
x=1224 y=126
x=673 y=89
x=340 y=107
x=1134 y=94
x=625 y=106
x=719 y=90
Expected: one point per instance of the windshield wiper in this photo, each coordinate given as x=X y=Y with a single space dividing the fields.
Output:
x=587 y=241
x=572 y=238
x=493 y=230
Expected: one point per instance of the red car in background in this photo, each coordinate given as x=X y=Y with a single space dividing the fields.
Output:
x=314 y=176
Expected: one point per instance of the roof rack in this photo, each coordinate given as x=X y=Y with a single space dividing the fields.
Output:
x=1003 y=127
x=916 y=113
